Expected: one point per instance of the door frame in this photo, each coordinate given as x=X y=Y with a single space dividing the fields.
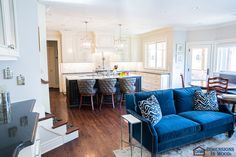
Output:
x=189 y=58
x=58 y=63
x=56 y=36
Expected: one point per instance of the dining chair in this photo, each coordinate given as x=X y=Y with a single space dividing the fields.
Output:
x=219 y=84
x=86 y=88
x=107 y=88
x=127 y=85
x=182 y=80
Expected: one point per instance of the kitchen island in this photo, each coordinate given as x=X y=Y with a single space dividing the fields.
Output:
x=72 y=91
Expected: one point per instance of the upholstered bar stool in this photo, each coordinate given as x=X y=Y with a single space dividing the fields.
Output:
x=86 y=88
x=107 y=87
x=126 y=86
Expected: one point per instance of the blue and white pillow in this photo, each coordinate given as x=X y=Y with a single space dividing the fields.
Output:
x=150 y=109
x=205 y=102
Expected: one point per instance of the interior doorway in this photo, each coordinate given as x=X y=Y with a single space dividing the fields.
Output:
x=53 y=73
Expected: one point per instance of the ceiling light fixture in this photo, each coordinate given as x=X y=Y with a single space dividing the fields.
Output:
x=86 y=42
x=119 y=43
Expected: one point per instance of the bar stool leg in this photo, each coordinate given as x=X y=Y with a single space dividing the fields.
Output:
x=113 y=104
x=81 y=100
x=97 y=99
x=92 y=102
x=101 y=102
x=121 y=99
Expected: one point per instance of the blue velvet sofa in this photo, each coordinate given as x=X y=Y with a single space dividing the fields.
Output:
x=180 y=124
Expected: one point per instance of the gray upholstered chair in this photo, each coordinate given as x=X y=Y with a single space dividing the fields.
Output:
x=126 y=86
x=107 y=87
x=86 y=88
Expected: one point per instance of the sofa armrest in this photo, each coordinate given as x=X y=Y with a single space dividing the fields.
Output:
x=224 y=108
x=150 y=137
x=144 y=121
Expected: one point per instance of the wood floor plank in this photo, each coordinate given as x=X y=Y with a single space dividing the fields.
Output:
x=99 y=130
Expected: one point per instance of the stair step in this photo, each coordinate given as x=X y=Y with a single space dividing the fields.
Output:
x=47 y=116
x=59 y=123
x=71 y=129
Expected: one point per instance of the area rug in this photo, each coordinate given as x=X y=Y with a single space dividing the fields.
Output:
x=186 y=151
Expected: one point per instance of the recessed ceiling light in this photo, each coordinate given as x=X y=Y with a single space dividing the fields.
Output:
x=196 y=8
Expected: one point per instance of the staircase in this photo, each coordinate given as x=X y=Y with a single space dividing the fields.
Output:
x=55 y=132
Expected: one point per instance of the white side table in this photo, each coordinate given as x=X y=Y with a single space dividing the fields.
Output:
x=131 y=120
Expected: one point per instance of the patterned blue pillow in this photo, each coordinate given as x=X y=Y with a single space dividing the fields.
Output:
x=150 y=109
x=205 y=102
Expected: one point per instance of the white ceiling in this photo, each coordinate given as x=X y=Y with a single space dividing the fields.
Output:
x=137 y=16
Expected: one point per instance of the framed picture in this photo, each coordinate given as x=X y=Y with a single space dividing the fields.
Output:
x=180 y=47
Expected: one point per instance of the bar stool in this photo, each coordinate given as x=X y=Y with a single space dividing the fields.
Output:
x=107 y=87
x=126 y=86
x=86 y=88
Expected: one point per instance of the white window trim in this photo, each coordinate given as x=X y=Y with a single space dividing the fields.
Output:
x=223 y=44
x=164 y=68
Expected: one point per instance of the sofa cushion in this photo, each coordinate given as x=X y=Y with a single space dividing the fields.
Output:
x=150 y=109
x=164 y=97
x=174 y=126
x=184 y=98
x=208 y=119
x=205 y=101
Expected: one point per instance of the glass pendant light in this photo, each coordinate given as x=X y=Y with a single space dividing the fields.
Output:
x=119 y=43
x=86 y=42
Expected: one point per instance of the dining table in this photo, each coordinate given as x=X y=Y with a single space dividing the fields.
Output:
x=203 y=85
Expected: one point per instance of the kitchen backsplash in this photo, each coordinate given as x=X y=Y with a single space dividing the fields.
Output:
x=90 y=67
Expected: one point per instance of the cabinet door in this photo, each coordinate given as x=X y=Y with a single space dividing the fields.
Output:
x=13 y=41
x=2 y=31
x=8 y=33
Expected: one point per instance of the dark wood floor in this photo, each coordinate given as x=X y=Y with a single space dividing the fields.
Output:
x=99 y=130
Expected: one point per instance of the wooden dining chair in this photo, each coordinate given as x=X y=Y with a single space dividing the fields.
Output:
x=182 y=80
x=219 y=84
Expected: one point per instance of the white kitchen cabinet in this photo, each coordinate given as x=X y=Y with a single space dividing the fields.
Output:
x=154 y=81
x=9 y=48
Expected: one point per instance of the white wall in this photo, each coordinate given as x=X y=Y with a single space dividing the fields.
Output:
x=28 y=63
x=43 y=57
x=212 y=33
x=178 y=60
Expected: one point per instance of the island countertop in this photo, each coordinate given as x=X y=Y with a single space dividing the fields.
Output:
x=72 y=91
x=20 y=131
x=79 y=77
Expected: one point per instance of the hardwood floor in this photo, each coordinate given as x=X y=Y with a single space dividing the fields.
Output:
x=99 y=130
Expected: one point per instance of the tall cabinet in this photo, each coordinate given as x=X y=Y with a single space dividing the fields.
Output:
x=9 y=48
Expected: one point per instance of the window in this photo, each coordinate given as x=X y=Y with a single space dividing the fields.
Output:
x=155 y=55
x=225 y=58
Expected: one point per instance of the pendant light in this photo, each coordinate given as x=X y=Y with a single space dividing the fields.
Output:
x=119 y=43
x=86 y=42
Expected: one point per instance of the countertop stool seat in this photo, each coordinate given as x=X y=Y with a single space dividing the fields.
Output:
x=86 y=88
x=107 y=87
x=127 y=85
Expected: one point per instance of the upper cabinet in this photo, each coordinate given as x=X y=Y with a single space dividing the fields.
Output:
x=9 y=48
